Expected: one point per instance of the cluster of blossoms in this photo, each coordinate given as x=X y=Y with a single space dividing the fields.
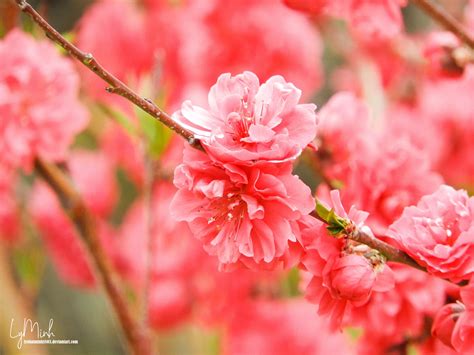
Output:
x=38 y=103
x=40 y=114
x=241 y=198
x=381 y=149
x=453 y=323
x=370 y=20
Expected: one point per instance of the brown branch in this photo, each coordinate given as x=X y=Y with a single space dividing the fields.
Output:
x=137 y=338
x=116 y=86
x=439 y=14
x=387 y=250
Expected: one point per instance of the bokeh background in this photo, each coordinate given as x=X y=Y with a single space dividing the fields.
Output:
x=29 y=283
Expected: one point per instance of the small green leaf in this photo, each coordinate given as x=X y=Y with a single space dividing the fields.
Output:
x=335 y=220
x=122 y=119
x=335 y=230
x=322 y=211
x=156 y=134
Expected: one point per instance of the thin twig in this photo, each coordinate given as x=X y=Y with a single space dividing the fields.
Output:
x=73 y=204
x=439 y=14
x=116 y=86
x=148 y=220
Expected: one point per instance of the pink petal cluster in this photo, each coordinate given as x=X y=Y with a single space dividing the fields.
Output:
x=455 y=125
x=370 y=20
x=249 y=122
x=379 y=171
x=280 y=328
x=39 y=110
x=9 y=219
x=454 y=324
x=439 y=233
x=245 y=215
x=341 y=274
x=452 y=125
x=108 y=34
x=389 y=317
x=188 y=45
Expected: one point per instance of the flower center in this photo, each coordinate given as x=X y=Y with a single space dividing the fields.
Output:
x=227 y=210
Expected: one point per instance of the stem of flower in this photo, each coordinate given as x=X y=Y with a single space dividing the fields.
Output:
x=116 y=86
x=148 y=220
x=137 y=337
x=387 y=250
x=439 y=14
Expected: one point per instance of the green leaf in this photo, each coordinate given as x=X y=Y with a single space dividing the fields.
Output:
x=122 y=119
x=322 y=211
x=156 y=134
x=335 y=230
x=335 y=220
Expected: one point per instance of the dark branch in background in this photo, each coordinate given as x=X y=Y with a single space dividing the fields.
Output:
x=137 y=337
x=446 y=20
x=116 y=86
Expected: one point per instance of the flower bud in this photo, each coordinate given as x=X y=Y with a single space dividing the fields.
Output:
x=445 y=321
x=352 y=278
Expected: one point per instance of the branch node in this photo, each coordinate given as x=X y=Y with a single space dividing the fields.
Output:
x=192 y=141
x=22 y=4
x=88 y=58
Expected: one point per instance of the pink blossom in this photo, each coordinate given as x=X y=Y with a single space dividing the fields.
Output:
x=379 y=170
x=463 y=333
x=438 y=233
x=121 y=150
x=445 y=322
x=94 y=176
x=342 y=276
x=280 y=328
x=233 y=36
x=390 y=316
x=240 y=213
x=375 y=20
x=108 y=34
x=370 y=20
x=249 y=122
x=343 y=128
x=454 y=122
x=311 y=6
x=38 y=103
x=454 y=324
x=9 y=219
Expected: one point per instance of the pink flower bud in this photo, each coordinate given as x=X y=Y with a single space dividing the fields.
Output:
x=352 y=278
x=445 y=321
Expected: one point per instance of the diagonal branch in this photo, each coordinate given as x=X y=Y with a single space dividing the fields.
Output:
x=439 y=14
x=116 y=86
x=73 y=204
